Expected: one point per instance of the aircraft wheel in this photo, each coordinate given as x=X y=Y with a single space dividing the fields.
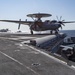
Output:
x=56 y=32
x=50 y=32
x=31 y=32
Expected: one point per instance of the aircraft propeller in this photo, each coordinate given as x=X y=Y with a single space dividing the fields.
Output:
x=60 y=21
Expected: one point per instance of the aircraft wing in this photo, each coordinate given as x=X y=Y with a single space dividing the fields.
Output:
x=19 y=22
x=69 y=22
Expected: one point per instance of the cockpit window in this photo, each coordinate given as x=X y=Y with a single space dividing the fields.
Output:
x=53 y=21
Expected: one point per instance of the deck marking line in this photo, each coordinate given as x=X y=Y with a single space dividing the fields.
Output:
x=18 y=62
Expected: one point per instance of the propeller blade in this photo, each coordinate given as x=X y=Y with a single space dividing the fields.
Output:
x=19 y=24
x=63 y=20
x=33 y=18
x=57 y=18
x=63 y=24
x=61 y=27
x=60 y=18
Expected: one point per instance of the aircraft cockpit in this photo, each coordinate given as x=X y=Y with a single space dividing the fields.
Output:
x=53 y=21
x=47 y=21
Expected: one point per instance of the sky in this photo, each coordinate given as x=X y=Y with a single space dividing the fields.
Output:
x=18 y=9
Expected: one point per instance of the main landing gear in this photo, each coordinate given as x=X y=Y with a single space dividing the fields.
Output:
x=56 y=32
x=31 y=32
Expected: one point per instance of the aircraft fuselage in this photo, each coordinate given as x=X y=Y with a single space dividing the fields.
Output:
x=45 y=26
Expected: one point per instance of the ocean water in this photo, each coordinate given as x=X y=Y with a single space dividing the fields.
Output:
x=70 y=33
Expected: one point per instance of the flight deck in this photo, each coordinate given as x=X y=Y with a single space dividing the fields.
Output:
x=17 y=58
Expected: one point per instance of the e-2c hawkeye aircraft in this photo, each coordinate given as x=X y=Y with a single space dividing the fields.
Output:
x=38 y=25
